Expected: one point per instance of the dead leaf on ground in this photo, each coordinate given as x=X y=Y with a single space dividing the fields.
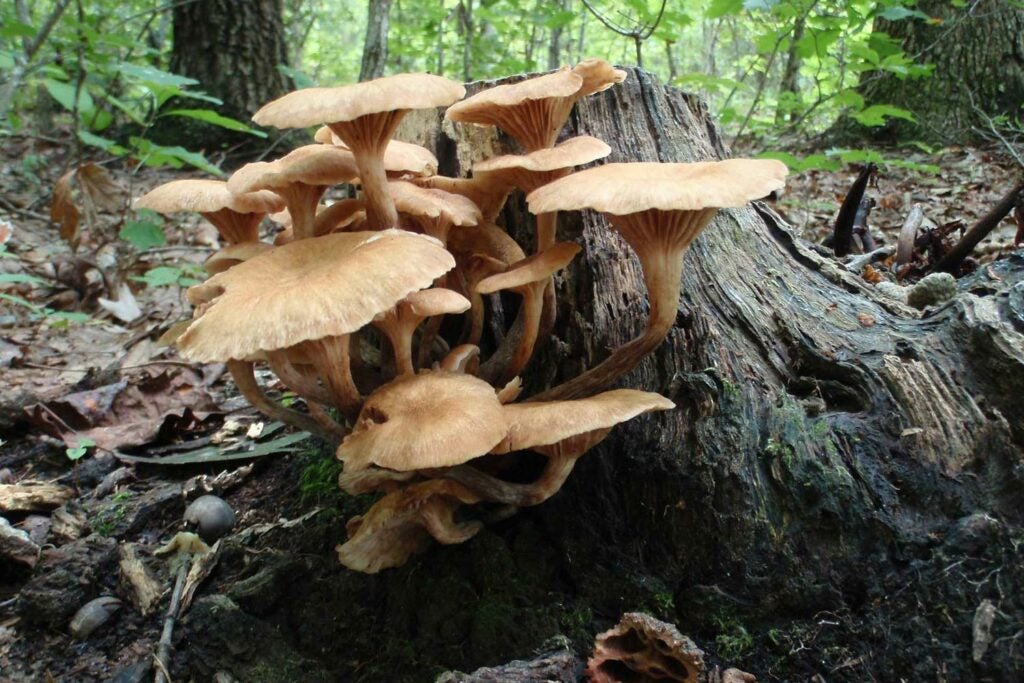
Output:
x=127 y=413
x=866 y=319
x=126 y=308
x=64 y=211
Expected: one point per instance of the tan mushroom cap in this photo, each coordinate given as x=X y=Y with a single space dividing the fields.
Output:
x=399 y=157
x=597 y=75
x=543 y=423
x=627 y=188
x=535 y=269
x=487 y=239
x=433 y=419
x=573 y=152
x=423 y=202
x=402 y=524
x=485 y=106
x=309 y=165
x=206 y=196
x=316 y=106
x=435 y=301
x=234 y=254
x=308 y=289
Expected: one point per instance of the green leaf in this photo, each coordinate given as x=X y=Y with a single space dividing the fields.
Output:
x=899 y=13
x=161 y=276
x=212 y=117
x=285 y=444
x=720 y=8
x=878 y=114
x=143 y=233
x=65 y=94
x=850 y=98
x=105 y=144
x=20 y=278
x=149 y=75
x=152 y=154
x=16 y=29
x=81 y=449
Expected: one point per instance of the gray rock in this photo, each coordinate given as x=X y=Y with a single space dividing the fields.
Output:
x=16 y=547
x=892 y=291
x=932 y=290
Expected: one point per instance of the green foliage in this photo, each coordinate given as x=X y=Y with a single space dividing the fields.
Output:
x=76 y=452
x=318 y=482
x=185 y=275
x=145 y=231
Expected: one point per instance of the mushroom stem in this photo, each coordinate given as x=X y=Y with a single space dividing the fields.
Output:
x=235 y=227
x=495 y=490
x=367 y=137
x=330 y=355
x=242 y=372
x=302 y=383
x=547 y=228
x=401 y=343
x=533 y=302
x=302 y=201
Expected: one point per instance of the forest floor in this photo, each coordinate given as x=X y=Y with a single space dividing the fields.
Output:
x=111 y=432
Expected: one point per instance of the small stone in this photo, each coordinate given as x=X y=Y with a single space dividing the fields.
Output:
x=16 y=545
x=210 y=516
x=892 y=291
x=932 y=290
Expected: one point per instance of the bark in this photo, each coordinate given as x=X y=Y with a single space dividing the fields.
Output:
x=839 y=489
x=375 y=48
x=233 y=48
x=978 y=53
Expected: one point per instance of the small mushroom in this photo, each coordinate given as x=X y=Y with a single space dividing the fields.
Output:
x=210 y=517
x=92 y=615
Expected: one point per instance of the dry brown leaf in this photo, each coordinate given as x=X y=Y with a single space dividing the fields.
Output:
x=866 y=319
x=6 y=230
x=871 y=275
x=102 y=190
x=64 y=211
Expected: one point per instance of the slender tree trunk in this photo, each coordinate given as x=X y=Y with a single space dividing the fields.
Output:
x=555 y=40
x=839 y=490
x=978 y=56
x=792 y=68
x=375 y=48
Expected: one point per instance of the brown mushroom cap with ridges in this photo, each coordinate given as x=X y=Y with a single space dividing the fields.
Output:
x=399 y=157
x=659 y=209
x=301 y=178
x=530 y=171
x=234 y=254
x=535 y=110
x=402 y=523
x=236 y=216
x=309 y=289
x=435 y=211
x=433 y=419
x=364 y=115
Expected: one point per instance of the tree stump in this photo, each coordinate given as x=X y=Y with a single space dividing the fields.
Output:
x=838 y=491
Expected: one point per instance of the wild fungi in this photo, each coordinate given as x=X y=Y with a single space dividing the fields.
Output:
x=400 y=322
x=659 y=209
x=312 y=292
x=364 y=115
x=301 y=178
x=404 y=522
x=433 y=419
x=401 y=159
x=528 y=278
x=237 y=217
x=234 y=254
x=434 y=212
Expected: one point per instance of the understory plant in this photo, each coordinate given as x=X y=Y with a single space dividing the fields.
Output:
x=346 y=306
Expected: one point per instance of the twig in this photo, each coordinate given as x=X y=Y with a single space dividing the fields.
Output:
x=857 y=263
x=638 y=33
x=979 y=231
x=163 y=652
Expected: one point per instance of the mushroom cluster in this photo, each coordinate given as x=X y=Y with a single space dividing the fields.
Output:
x=354 y=305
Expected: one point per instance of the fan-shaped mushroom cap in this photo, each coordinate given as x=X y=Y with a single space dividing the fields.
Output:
x=206 y=196
x=534 y=110
x=543 y=423
x=572 y=152
x=535 y=269
x=309 y=165
x=399 y=157
x=233 y=255
x=633 y=187
x=308 y=289
x=435 y=301
x=402 y=523
x=433 y=419
x=437 y=206
x=316 y=106
x=487 y=239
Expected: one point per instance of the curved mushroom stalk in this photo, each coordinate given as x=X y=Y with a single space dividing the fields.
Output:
x=401 y=322
x=330 y=356
x=659 y=238
x=373 y=480
x=367 y=137
x=488 y=192
x=242 y=372
x=402 y=524
x=235 y=227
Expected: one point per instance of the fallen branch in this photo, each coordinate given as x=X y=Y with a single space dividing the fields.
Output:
x=950 y=263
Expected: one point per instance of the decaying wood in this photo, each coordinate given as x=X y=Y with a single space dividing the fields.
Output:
x=33 y=497
x=138 y=581
x=851 y=208
x=950 y=263
x=808 y=450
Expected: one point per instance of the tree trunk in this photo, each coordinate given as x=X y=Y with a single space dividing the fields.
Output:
x=233 y=48
x=978 y=53
x=840 y=488
x=375 y=48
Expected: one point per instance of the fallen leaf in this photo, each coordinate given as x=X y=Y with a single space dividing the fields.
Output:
x=126 y=308
x=64 y=211
x=871 y=275
x=6 y=230
x=866 y=319
x=101 y=189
